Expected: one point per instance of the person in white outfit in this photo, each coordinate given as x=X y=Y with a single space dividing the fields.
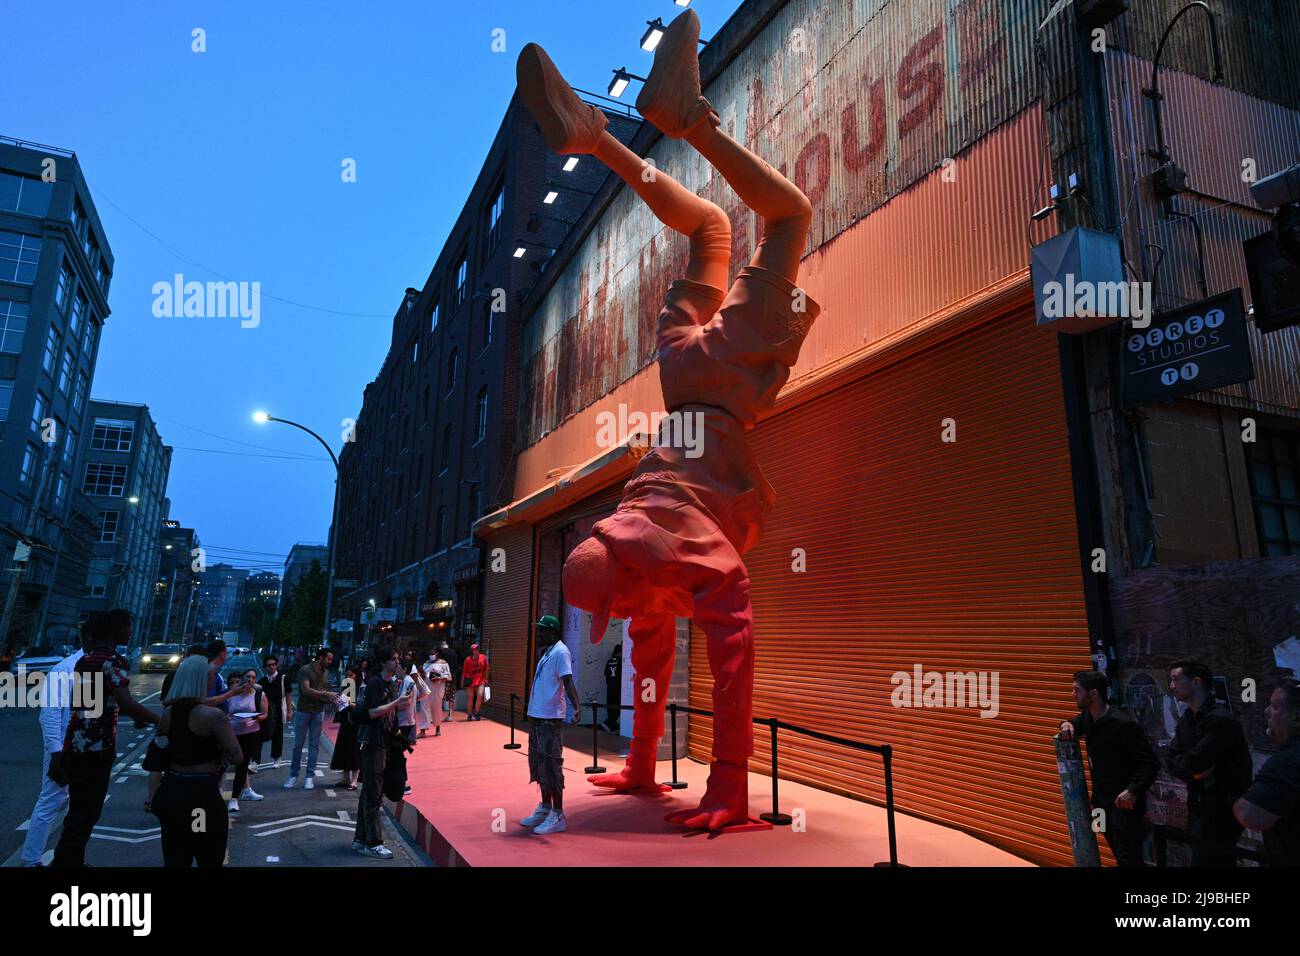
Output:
x=56 y=710
x=437 y=674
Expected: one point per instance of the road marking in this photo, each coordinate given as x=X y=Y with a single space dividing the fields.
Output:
x=329 y=792
x=308 y=823
x=120 y=780
x=150 y=697
x=272 y=859
x=342 y=816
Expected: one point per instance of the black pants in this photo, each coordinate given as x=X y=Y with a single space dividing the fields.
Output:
x=193 y=819
x=1125 y=833
x=251 y=745
x=1214 y=836
x=370 y=798
x=88 y=778
x=274 y=734
x=613 y=697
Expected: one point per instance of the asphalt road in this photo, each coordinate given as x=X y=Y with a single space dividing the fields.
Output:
x=287 y=828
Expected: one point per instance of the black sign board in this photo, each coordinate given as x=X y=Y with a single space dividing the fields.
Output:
x=1192 y=349
x=1274 y=282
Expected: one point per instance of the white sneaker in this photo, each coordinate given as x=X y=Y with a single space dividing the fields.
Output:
x=380 y=852
x=309 y=783
x=537 y=816
x=289 y=784
x=554 y=823
x=233 y=806
x=252 y=767
x=250 y=794
x=277 y=765
x=358 y=846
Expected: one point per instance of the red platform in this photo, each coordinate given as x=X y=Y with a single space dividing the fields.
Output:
x=469 y=795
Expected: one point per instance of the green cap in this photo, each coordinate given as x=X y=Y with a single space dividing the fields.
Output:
x=548 y=622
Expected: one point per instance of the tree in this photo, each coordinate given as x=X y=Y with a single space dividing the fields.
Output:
x=303 y=616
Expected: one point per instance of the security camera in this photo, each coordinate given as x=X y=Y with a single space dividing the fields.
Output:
x=1280 y=189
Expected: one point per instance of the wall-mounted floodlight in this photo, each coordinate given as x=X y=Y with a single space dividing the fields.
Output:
x=569 y=163
x=653 y=34
x=551 y=197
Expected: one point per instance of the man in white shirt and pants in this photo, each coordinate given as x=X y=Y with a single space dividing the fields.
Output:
x=552 y=682
x=56 y=710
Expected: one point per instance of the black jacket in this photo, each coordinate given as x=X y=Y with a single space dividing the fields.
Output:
x=1210 y=739
x=1119 y=755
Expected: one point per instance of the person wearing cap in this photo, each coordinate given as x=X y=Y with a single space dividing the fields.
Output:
x=474 y=678
x=547 y=713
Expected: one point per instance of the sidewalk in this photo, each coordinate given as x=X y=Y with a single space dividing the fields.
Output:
x=468 y=795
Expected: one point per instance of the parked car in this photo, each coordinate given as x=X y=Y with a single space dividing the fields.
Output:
x=160 y=657
x=37 y=659
x=238 y=663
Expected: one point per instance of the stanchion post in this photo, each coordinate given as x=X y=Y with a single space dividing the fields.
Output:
x=887 y=753
x=512 y=745
x=776 y=817
x=674 y=783
x=595 y=745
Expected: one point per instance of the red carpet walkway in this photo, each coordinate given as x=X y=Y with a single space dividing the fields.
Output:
x=468 y=795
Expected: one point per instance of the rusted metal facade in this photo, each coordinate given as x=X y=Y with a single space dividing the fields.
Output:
x=855 y=101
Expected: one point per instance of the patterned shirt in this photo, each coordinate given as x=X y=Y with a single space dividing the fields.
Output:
x=92 y=726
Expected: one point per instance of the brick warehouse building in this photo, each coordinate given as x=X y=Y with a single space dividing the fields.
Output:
x=433 y=444
x=946 y=470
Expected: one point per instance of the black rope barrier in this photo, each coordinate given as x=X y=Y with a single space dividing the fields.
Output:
x=775 y=817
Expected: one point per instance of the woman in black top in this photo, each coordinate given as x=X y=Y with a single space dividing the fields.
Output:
x=347 y=757
x=197 y=742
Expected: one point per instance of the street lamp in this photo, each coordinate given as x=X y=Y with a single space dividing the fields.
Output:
x=262 y=418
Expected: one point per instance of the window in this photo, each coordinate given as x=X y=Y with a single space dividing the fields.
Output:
x=78 y=214
x=433 y=314
x=1275 y=480
x=110 y=434
x=446 y=449
x=38 y=411
x=13 y=324
x=79 y=308
x=101 y=277
x=79 y=398
x=439 y=529
x=494 y=218
x=65 y=373
x=415 y=351
x=462 y=278
x=6 y=398
x=88 y=340
x=69 y=447
x=97 y=577
x=63 y=290
x=487 y=324
x=104 y=479
x=51 y=350
x=24 y=194
x=60 y=488
x=473 y=511
x=452 y=360
x=482 y=409
x=426 y=403
x=18 y=257
x=28 y=471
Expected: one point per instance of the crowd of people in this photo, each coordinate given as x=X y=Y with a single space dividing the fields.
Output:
x=1209 y=754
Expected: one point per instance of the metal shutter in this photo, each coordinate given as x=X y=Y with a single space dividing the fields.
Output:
x=959 y=556
x=507 y=602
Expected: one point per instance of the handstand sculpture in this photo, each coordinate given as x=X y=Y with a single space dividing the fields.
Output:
x=673 y=548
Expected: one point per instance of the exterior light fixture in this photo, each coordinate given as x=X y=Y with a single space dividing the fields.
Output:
x=570 y=163
x=261 y=417
x=134 y=499
x=653 y=34
x=551 y=197
x=519 y=252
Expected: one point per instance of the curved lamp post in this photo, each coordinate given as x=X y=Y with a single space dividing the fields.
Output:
x=261 y=417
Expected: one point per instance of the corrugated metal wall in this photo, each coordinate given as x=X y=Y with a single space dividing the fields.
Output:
x=854 y=101
x=507 y=602
x=957 y=556
x=1211 y=132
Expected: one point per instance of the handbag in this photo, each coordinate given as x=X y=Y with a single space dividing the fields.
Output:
x=487 y=693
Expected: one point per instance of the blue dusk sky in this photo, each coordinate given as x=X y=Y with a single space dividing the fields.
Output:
x=227 y=164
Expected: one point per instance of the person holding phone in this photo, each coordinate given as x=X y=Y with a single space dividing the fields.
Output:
x=376 y=717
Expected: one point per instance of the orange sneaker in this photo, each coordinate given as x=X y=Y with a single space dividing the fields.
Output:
x=670 y=98
x=567 y=123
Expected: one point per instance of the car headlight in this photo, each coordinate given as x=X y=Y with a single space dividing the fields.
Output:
x=146 y=658
x=173 y=659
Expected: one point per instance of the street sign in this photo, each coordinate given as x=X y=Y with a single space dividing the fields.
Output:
x=342 y=625
x=346 y=583
x=373 y=615
x=1192 y=349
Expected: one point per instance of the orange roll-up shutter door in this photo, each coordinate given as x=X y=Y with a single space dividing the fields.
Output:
x=507 y=602
x=958 y=556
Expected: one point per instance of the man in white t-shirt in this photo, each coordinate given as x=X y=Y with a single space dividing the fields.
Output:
x=552 y=683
